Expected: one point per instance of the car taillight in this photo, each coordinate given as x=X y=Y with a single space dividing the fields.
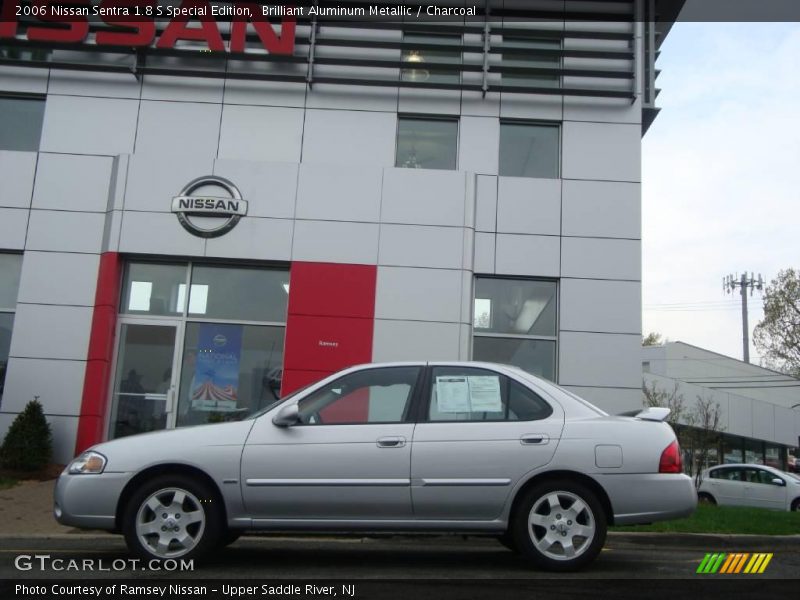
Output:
x=671 y=461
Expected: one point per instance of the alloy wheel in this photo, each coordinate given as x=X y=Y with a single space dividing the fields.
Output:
x=170 y=522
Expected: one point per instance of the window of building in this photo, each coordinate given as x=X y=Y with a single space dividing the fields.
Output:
x=732 y=449
x=369 y=396
x=530 y=53
x=514 y=322
x=470 y=394
x=754 y=452
x=424 y=143
x=529 y=150
x=428 y=51
x=214 y=353
x=21 y=123
x=10 y=267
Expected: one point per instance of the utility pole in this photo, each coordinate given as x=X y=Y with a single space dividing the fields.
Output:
x=729 y=284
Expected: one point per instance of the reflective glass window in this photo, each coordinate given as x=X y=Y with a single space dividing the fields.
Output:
x=240 y=293
x=526 y=52
x=529 y=150
x=21 y=123
x=431 y=50
x=426 y=143
x=228 y=371
x=368 y=396
x=154 y=289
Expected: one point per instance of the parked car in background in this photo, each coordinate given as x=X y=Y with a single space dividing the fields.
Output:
x=403 y=447
x=750 y=485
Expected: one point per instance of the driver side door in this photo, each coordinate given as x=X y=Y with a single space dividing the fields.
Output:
x=348 y=457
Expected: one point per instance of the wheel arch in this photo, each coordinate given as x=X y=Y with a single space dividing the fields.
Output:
x=166 y=469
x=581 y=478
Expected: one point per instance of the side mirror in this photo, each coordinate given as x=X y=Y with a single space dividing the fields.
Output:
x=778 y=481
x=287 y=416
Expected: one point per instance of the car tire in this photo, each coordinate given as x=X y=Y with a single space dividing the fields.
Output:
x=796 y=505
x=704 y=498
x=172 y=517
x=549 y=519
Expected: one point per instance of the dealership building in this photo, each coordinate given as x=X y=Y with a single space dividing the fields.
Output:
x=197 y=217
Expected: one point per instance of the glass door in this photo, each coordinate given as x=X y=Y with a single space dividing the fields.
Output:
x=144 y=383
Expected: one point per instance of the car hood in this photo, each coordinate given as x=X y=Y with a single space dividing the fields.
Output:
x=186 y=445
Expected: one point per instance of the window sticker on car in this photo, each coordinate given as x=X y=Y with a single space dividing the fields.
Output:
x=452 y=394
x=478 y=393
x=484 y=393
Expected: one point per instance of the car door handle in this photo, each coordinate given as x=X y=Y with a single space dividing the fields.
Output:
x=391 y=442
x=531 y=439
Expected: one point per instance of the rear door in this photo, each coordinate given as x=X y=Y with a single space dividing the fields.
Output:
x=727 y=485
x=477 y=433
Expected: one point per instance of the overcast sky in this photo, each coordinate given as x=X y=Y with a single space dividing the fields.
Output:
x=721 y=177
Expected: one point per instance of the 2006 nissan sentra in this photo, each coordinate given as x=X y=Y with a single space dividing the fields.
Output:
x=400 y=447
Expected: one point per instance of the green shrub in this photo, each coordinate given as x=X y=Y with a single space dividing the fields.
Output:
x=28 y=445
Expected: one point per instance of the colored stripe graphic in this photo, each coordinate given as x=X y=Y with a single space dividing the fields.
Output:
x=734 y=563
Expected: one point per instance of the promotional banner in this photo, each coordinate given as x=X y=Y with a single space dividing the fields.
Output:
x=215 y=386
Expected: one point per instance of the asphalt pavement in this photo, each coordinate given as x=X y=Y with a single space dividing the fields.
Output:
x=626 y=556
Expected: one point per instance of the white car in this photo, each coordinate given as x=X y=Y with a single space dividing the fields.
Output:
x=750 y=485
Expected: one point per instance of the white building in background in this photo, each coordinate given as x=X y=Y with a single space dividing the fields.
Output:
x=385 y=190
x=760 y=408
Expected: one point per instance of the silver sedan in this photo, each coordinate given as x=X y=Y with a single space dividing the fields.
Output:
x=403 y=447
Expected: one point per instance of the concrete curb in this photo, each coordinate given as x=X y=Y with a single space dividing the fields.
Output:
x=706 y=540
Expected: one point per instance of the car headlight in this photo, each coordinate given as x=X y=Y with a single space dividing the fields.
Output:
x=88 y=462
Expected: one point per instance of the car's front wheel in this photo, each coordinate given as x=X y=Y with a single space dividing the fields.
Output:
x=172 y=516
x=560 y=525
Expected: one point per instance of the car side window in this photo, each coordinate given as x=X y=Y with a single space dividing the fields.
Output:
x=471 y=394
x=369 y=396
x=727 y=474
x=765 y=477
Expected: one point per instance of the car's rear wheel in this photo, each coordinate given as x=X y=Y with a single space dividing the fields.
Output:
x=560 y=525
x=796 y=505
x=708 y=499
x=172 y=516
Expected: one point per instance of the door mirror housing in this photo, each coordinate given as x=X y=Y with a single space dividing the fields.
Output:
x=778 y=481
x=287 y=416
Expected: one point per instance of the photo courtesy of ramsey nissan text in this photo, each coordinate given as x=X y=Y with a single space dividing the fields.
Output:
x=339 y=299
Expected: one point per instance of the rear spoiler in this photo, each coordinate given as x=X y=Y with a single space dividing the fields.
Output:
x=651 y=413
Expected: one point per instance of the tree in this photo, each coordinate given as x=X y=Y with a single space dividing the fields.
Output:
x=652 y=339
x=673 y=400
x=28 y=445
x=777 y=336
x=705 y=433
x=681 y=420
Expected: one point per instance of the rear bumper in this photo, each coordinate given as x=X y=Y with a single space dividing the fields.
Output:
x=645 y=498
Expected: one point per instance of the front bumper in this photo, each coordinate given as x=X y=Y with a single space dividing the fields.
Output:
x=645 y=498
x=88 y=501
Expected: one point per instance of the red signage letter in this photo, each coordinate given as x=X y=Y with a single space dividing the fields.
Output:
x=177 y=29
x=145 y=29
x=8 y=18
x=77 y=26
x=271 y=42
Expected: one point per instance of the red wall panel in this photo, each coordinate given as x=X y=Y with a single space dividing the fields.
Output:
x=333 y=290
x=94 y=401
x=330 y=322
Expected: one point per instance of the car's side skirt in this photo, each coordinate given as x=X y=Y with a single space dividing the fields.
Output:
x=345 y=525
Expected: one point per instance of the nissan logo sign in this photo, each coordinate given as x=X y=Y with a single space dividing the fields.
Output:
x=227 y=209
